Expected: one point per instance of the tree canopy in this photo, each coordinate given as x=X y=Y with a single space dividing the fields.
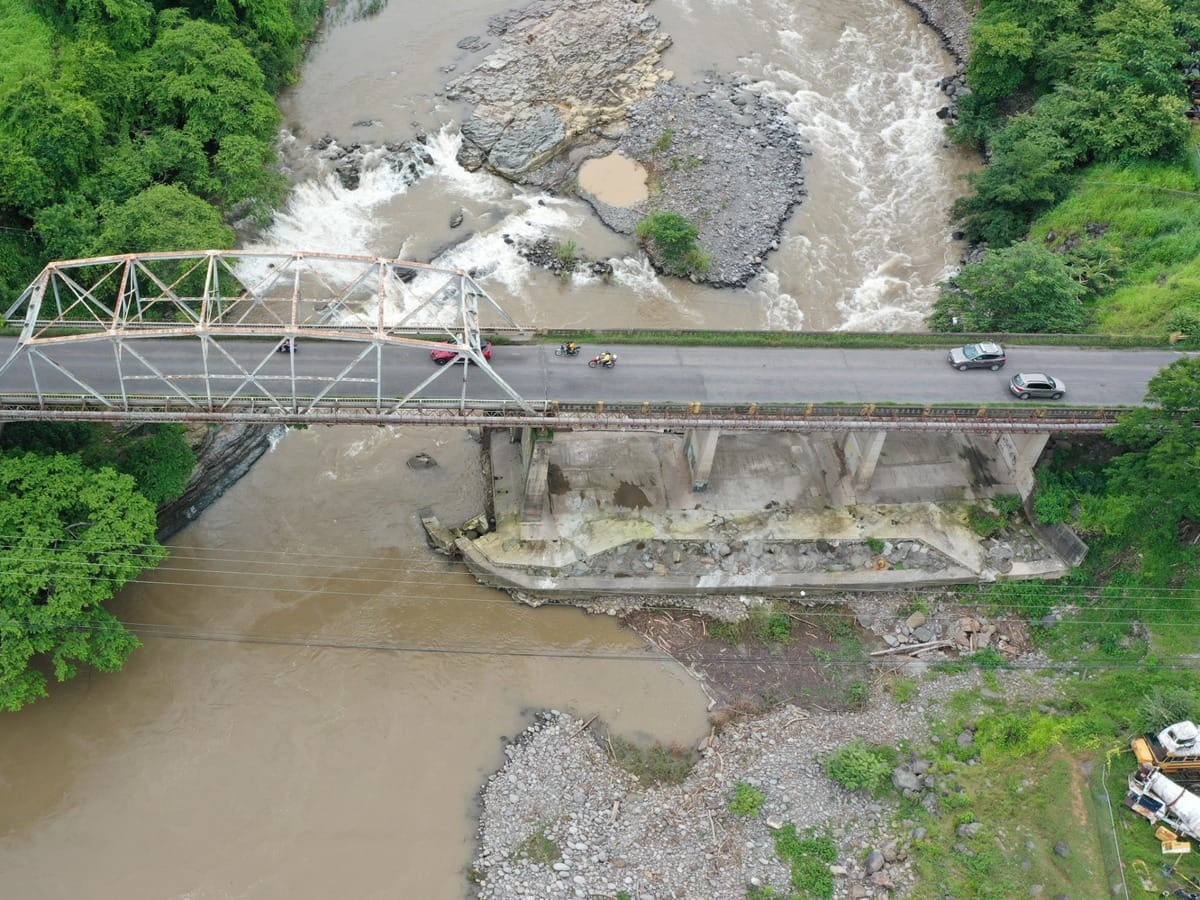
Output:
x=163 y=217
x=1155 y=484
x=104 y=100
x=1081 y=83
x=73 y=537
x=1024 y=288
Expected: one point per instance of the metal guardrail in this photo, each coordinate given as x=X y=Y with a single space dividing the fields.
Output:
x=645 y=416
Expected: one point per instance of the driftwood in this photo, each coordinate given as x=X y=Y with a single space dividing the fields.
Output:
x=912 y=648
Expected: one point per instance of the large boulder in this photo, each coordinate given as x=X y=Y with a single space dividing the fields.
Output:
x=559 y=69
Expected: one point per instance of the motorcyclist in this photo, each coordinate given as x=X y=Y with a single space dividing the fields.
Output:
x=572 y=347
x=606 y=358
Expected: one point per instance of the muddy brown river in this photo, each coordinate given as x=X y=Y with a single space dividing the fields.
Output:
x=319 y=696
x=329 y=699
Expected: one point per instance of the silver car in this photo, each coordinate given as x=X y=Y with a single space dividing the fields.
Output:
x=987 y=355
x=1030 y=385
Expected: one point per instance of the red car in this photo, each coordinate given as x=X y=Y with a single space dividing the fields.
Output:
x=450 y=353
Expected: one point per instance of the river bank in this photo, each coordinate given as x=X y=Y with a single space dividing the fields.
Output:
x=561 y=819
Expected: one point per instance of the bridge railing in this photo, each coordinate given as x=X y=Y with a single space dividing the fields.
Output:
x=642 y=416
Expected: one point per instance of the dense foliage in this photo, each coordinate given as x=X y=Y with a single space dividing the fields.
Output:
x=72 y=536
x=1020 y=289
x=670 y=240
x=128 y=125
x=77 y=516
x=159 y=457
x=1154 y=484
x=1066 y=95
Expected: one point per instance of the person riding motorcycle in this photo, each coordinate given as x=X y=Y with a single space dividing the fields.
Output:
x=606 y=358
x=572 y=347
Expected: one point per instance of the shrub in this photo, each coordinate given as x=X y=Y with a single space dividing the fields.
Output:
x=1006 y=504
x=875 y=544
x=903 y=690
x=770 y=625
x=858 y=693
x=988 y=658
x=566 y=251
x=858 y=767
x=810 y=856
x=665 y=137
x=729 y=632
x=1053 y=503
x=652 y=765
x=672 y=238
x=747 y=800
x=984 y=522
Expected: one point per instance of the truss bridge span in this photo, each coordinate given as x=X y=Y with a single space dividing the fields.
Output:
x=198 y=337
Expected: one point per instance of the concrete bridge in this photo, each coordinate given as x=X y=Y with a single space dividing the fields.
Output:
x=195 y=337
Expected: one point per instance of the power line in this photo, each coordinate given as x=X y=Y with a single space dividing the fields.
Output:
x=345 y=642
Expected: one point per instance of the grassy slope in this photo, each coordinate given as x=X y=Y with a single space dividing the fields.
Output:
x=1148 y=240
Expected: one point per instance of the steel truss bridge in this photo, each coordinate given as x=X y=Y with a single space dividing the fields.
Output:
x=195 y=337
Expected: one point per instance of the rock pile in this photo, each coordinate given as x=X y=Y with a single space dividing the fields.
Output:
x=744 y=556
x=561 y=820
x=559 y=68
x=951 y=629
x=411 y=159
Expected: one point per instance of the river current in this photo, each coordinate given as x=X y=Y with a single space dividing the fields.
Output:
x=320 y=697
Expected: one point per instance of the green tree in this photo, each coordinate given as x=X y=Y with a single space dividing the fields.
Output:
x=73 y=537
x=163 y=217
x=243 y=170
x=125 y=24
x=49 y=137
x=1000 y=51
x=200 y=79
x=19 y=260
x=1030 y=171
x=1024 y=288
x=94 y=70
x=157 y=456
x=272 y=30
x=671 y=239
x=1156 y=484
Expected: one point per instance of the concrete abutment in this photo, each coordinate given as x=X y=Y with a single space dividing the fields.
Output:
x=711 y=511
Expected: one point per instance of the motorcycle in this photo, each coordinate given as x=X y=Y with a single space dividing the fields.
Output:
x=600 y=361
x=287 y=345
x=564 y=350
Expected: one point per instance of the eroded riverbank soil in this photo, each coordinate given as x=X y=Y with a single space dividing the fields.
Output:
x=820 y=657
x=744 y=670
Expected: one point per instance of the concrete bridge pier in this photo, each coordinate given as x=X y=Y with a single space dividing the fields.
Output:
x=859 y=453
x=535 y=459
x=1020 y=452
x=700 y=446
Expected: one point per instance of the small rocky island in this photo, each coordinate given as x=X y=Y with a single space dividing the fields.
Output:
x=568 y=81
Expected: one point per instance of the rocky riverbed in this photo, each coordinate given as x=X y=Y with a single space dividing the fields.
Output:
x=560 y=819
x=571 y=80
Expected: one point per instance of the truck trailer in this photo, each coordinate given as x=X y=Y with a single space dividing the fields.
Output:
x=1157 y=798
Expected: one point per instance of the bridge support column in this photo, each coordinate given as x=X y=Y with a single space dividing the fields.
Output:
x=700 y=446
x=861 y=451
x=535 y=454
x=1020 y=453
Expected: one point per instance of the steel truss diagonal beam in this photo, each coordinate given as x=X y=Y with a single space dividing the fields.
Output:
x=212 y=301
